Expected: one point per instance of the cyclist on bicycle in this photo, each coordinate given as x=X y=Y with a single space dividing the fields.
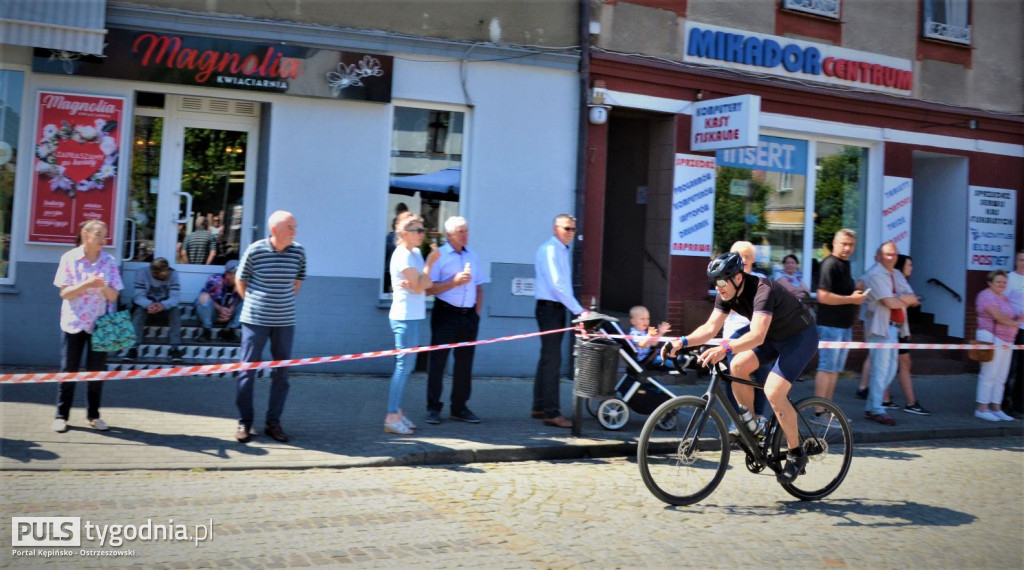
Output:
x=781 y=329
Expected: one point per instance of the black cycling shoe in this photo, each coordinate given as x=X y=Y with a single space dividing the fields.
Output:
x=794 y=466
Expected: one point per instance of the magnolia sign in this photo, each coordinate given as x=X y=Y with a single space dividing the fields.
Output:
x=181 y=59
x=76 y=170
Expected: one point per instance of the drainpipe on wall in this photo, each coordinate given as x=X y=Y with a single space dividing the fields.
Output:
x=581 y=147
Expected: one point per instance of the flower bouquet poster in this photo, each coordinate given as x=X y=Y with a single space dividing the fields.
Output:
x=75 y=174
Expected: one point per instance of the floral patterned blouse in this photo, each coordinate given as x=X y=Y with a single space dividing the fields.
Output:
x=80 y=314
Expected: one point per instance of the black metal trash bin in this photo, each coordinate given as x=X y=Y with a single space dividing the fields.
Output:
x=597 y=365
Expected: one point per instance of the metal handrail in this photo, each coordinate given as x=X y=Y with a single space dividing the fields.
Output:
x=934 y=281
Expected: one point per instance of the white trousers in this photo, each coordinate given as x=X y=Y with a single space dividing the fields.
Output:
x=992 y=377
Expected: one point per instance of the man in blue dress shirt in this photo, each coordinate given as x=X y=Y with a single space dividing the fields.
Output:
x=458 y=296
x=553 y=290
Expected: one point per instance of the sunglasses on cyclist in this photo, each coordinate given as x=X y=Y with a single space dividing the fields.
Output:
x=721 y=283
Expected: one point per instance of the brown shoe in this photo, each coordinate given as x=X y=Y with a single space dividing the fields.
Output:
x=275 y=432
x=560 y=422
x=242 y=433
x=537 y=414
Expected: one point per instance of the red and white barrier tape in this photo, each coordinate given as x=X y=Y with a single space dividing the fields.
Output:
x=237 y=366
x=842 y=344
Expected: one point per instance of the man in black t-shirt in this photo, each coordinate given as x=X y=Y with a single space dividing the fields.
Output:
x=781 y=330
x=838 y=302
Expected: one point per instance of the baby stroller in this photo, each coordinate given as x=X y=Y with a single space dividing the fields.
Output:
x=636 y=389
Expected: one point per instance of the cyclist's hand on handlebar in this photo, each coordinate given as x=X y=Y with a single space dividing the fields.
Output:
x=672 y=348
x=711 y=356
x=667 y=352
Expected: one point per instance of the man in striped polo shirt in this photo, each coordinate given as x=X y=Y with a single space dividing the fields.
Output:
x=268 y=279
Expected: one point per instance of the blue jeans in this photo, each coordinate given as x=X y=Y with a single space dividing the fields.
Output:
x=407 y=335
x=205 y=312
x=833 y=359
x=884 y=362
x=254 y=338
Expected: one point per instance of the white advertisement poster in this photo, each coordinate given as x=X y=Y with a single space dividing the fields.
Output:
x=897 y=202
x=731 y=122
x=693 y=205
x=991 y=228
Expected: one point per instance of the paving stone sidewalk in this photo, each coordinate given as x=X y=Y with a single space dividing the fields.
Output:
x=337 y=421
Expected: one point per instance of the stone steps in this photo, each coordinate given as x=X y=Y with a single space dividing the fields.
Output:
x=154 y=352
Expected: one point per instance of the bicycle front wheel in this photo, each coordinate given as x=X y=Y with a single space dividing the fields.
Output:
x=683 y=465
x=828 y=442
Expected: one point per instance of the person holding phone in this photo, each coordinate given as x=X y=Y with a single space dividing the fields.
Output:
x=838 y=299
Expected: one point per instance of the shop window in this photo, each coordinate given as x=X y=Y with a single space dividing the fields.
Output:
x=426 y=173
x=947 y=20
x=762 y=196
x=840 y=189
x=826 y=8
x=11 y=88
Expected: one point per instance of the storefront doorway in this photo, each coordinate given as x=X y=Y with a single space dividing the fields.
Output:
x=192 y=181
x=635 y=251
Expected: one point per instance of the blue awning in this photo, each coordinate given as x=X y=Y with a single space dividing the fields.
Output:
x=440 y=185
x=68 y=25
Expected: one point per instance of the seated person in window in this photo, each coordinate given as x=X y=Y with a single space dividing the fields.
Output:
x=157 y=293
x=200 y=246
x=219 y=302
x=792 y=279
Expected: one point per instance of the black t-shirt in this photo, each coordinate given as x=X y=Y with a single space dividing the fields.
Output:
x=762 y=295
x=835 y=277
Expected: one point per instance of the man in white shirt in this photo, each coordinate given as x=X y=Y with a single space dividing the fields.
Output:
x=1013 y=399
x=553 y=290
x=458 y=298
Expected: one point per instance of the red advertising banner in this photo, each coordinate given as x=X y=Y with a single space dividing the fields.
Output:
x=77 y=145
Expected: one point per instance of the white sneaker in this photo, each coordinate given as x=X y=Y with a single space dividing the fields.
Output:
x=1002 y=415
x=99 y=425
x=59 y=425
x=986 y=415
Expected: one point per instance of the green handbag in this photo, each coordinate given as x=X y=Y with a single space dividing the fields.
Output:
x=113 y=332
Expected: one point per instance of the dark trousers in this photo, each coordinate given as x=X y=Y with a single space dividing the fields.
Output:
x=545 y=383
x=254 y=338
x=1013 y=397
x=173 y=315
x=450 y=324
x=72 y=347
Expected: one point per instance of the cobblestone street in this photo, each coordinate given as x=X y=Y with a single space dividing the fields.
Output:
x=937 y=504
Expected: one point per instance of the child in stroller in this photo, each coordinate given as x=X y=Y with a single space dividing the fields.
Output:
x=636 y=389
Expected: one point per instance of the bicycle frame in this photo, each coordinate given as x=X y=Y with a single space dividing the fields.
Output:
x=716 y=393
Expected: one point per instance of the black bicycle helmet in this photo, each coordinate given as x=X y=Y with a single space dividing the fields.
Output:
x=725 y=266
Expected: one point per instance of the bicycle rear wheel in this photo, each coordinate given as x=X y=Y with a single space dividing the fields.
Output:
x=828 y=442
x=686 y=464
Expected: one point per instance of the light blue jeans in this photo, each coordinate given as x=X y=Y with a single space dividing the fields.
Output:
x=407 y=334
x=884 y=363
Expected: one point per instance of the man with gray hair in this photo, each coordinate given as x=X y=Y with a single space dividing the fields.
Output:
x=458 y=298
x=268 y=280
x=885 y=322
